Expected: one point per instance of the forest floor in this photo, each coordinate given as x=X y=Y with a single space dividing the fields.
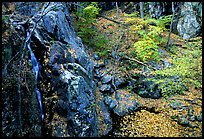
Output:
x=158 y=118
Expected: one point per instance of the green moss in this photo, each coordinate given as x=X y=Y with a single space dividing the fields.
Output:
x=187 y=66
x=170 y=85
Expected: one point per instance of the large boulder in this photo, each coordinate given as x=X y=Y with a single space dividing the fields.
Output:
x=72 y=71
x=188 y=26
x=126 y=103
x=79 y=98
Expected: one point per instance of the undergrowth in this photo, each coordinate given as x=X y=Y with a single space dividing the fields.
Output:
x=149 y=35
x=187 y=66
x=85 y=26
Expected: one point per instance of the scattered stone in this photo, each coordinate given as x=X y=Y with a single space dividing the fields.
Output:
x=110 y=102
x=199 y=117
x=105 y=87
x=143 y=93
x=192 y=118
x=106 y=79
x=166 y=64
x=148 y=89
x=105 y=61
x=119 y=82
x=176 y=104
x=153 y=64
x=96 y=57
x=183 y=121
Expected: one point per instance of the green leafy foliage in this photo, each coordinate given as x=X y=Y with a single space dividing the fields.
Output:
x=86 y=29
x=187 y=65
x=165 y=21
x=169 y=85
x=147 y=49
x=162 y=22
x=149 y=32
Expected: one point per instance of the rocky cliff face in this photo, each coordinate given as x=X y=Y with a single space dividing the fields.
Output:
x=71 y=69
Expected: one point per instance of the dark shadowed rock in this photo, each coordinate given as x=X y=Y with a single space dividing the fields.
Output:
x=119 y=82
x=183 y=121
x=106 y=120
x=59 y=54
x=148 y=89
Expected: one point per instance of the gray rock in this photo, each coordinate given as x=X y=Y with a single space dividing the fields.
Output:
x=105 y=87
x=110 y=102
x=28 y=8
x=79 y=96
x=190 y=111
x=106 y=79
x=149 y=89
x=74 y=84
x=192 y=118
x=188 y=25
x=96 y=57
x=58 y=51
x=97 y=74
x=105 y=61
x=183 y=121
x=126 y=103
x=176 y=104
x=167 y=64
x=199 y=117
x=143 y=93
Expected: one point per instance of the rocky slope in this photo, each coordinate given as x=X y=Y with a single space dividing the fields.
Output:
x=53 y=86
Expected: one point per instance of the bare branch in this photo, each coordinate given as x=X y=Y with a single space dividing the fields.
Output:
x=135 y=60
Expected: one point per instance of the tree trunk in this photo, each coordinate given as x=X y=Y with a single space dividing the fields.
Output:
x=170 y=26
x=116 y=3
x=141 y=10
x=122 y=5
